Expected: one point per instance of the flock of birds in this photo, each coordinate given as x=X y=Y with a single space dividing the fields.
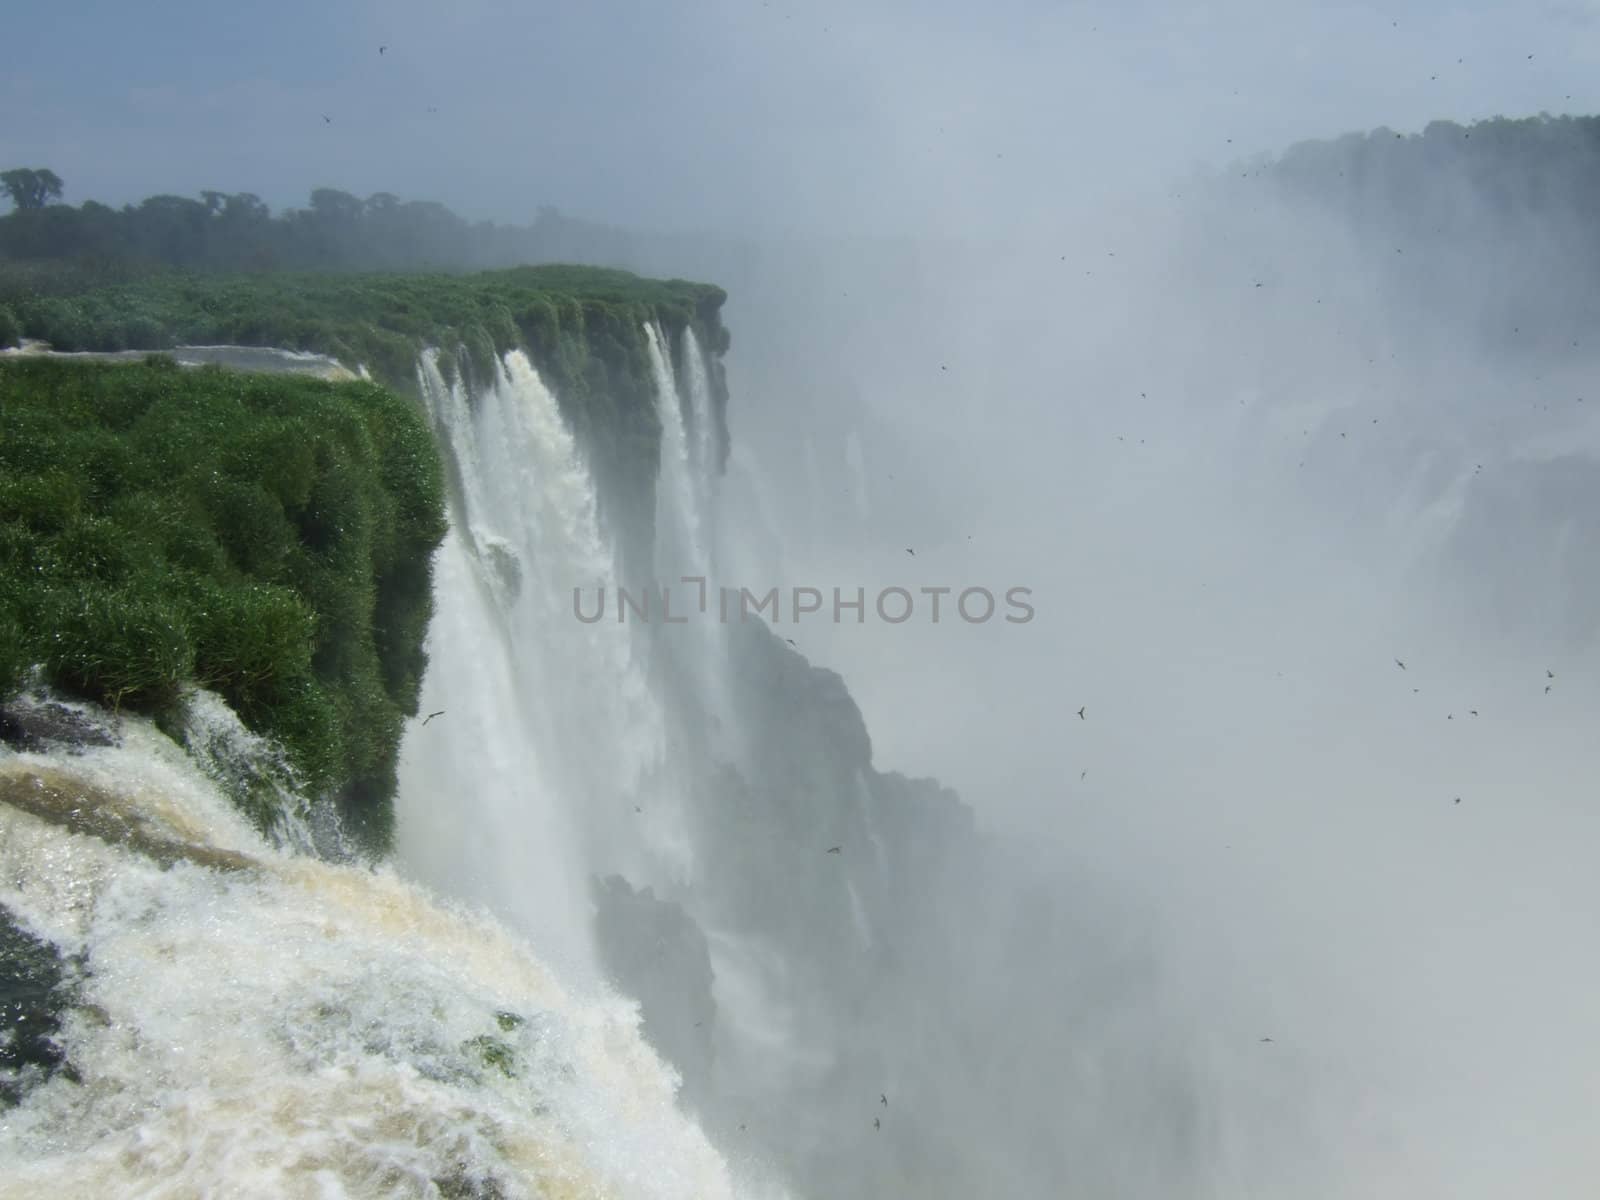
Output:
x=1472 y=712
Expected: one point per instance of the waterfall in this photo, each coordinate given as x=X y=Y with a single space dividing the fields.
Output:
x=685 y=500
x=680 y=541
x=702 y=434
x=250 y=1021
x=549 y=737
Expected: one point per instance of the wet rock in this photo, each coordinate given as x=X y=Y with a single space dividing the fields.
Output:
x=61 y=799
x=657 y=952
x=28 y=723
x=34 y=991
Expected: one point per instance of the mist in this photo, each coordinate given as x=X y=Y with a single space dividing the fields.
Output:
x=1250 y=462
x=1238 y=507
x=1278 y=812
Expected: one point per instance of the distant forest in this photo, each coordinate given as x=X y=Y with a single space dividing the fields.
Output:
x=236 y=232
x=1449 y=176
x=1457 y=186
x=1492 y=228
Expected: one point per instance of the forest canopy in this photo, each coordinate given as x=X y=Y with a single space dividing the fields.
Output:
x=336 y=231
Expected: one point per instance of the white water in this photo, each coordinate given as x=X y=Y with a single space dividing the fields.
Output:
x=685 y=536
x=290 y=1028
x=302 y=1028
x=549 y=738
x=702 y=435
x=679 y=497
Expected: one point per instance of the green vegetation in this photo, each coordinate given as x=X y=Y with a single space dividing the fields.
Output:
x=378 y=320
x=582 y=326
x=28 y=187
x=220 y=231
x=269 y=537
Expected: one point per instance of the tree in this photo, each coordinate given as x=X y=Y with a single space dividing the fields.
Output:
x=245 y=208
x=334 y=206
x=31 y=188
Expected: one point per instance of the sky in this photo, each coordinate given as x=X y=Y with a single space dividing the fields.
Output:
x=747 y=117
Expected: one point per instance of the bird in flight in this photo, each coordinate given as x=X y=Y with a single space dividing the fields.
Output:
x=381 y=49
x=876 y=1124
x=834 y=849
x=431 y=716
x=1081 y=717
x=1266 y=1039
x=1549 y=674
x=883 y=1099
x=326 y=119
x=791 y=642
x=911 y=552
x=1458 y=799
x=1399 y=664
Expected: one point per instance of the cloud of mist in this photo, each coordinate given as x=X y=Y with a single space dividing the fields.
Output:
x=1245 y=463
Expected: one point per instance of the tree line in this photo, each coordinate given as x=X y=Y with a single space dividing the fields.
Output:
x=1451 y=184
x=1452 y=177
x=222 y=231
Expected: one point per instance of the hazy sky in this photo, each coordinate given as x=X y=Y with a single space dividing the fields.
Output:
x=749 y=115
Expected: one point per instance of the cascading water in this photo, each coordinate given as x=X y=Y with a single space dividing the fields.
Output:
x=549 y=735
x=685 y=537
x=702 y=435
x=405 y=1049
x=251 y=1021
x=680 y=539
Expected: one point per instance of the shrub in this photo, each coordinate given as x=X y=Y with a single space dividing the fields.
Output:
x=250 y=533
x=120 y=648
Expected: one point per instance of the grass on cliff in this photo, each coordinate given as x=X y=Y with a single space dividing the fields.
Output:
x=269 y=537
x=379 y=320
x=582 y=326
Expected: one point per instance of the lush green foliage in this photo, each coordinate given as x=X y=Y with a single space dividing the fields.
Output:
x=269 y=537
x=583 y=326
x=237 y=549
x=379 y=320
